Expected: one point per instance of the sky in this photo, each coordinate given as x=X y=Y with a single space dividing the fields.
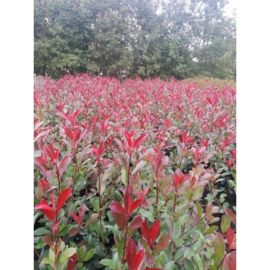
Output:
x=230 y=8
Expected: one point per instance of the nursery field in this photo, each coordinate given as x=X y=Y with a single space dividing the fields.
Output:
x=138 y=174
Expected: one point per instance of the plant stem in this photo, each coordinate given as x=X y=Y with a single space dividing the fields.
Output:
x=58 y=178
x=125 y=240
x=110 y=187
x=157 y=199
x=75 y=171
x=173 y=221
x=99 y=203
x=73 y=184
x=192 y=226
x=222 y=261
x=128 y=172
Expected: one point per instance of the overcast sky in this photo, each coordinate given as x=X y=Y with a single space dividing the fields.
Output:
x=230 y=8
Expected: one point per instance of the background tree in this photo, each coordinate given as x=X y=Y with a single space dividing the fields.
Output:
x=146 y=38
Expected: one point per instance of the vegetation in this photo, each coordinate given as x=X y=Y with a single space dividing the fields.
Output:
x=134 y=175
x=130 y=38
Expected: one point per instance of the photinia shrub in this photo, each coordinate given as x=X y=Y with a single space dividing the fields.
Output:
x=134 y=175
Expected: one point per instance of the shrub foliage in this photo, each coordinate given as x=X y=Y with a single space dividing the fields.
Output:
x=134 y=175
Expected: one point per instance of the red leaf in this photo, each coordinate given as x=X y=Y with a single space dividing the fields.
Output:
x=140 y=140
x=82 y=210
x=43 y=206
x=47 y=210
x=76 y=135
x=145 y=231
x=230 y=260
x=128 y=198
x=176 y=180
x=74 y=231
x=62 y=198
x=128 y=138
x=40 y=166
x=62 y=114
x=74 y=116
x=231 y=215
x=55 y=227
x=144 y=193
x=233 y=244
x=230 y=236
x=49 y=150
x=155 y=230
x=49 y=214
x=95 y=151
x=75 y=217
x=53 y=201
x=136 y=222
x=116 y=207
x=72 y=262
x=135 y=205
x=64 y=164
x=130 y=253
x=101 y=148
x=48 y=240
x=120 y=220
x=69 y=133
x=43 y=183
x=163 y=241
x=138 y=259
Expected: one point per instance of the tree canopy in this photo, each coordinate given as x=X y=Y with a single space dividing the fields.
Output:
x=146 y=38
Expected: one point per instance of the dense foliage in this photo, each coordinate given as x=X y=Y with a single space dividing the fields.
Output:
x=129 y=38
x=134 y=175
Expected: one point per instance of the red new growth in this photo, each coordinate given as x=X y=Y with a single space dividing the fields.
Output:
x=121 y=214
x=79 y=219
x=150 y=234
x=133 y=258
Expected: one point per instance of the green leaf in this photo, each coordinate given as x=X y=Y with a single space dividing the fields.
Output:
x=188 y=253
x=81 y=253
x=197 y=194
x=211 y=230
x=95 y=204
x=124 y=175
x=198 y=245
x=61 y=266
x=104 y=177
x=40 y=244
x=176 y=232
x=225 y=223
x=148 y=215
x=183 y=219
x=67 y=254
x=199 y=210
x=47 y=261
x=169 y=265
x=198 y=261
x=41 y=231
x=51 y=255
x=189 y=265
x=179 y=256
x=90 y=253
x=213 y=264
x=179 y=241
x=110 y=263
x=64 y=229
x=38 y=214
x=219 y=246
